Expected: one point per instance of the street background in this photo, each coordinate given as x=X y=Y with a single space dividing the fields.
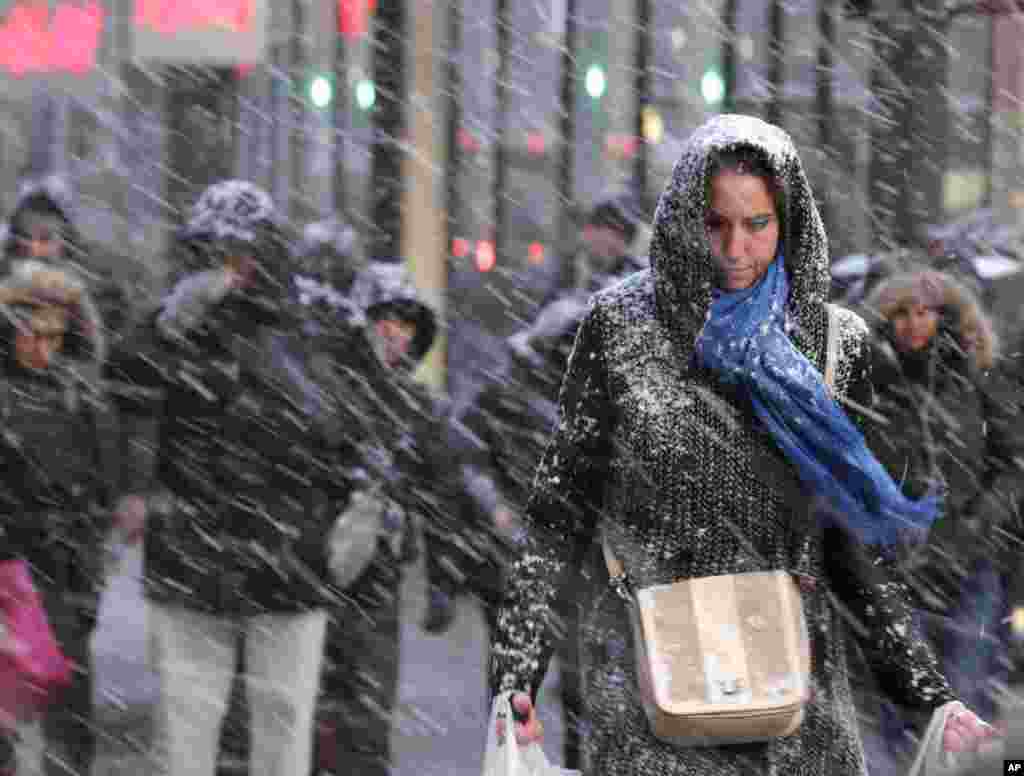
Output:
x=439 y=723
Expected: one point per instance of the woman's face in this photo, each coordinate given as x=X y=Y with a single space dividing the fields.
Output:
x=913 y=326
x=742 y=227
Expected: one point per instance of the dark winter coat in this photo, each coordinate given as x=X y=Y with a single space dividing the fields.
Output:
x=251 y=444
x=685 y=484
x=58 y=454
x=949 y=419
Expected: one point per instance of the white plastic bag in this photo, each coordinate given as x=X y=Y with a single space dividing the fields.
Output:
x=509 y=758
x=353 y=540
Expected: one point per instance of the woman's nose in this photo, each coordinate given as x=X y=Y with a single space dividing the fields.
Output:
x=735 y=244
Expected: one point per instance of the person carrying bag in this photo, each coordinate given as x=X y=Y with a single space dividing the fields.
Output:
x=507 y=757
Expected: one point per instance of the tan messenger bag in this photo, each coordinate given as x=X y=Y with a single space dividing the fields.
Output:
x=720 y=660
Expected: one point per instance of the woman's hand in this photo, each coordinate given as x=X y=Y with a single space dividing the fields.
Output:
x=965 y=732
x=528 y=727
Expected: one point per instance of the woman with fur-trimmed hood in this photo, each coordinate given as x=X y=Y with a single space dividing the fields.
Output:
x=698 y=437
x=60 y=475
x=949 y=423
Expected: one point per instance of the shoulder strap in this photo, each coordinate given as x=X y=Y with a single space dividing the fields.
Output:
x=615 y=569
x=831 y=346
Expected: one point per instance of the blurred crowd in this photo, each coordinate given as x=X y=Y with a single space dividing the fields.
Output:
x=260 y=430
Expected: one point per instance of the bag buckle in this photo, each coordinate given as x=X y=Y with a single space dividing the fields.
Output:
x=622 y=586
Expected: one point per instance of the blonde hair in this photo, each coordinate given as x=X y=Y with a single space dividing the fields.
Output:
x=944 y=293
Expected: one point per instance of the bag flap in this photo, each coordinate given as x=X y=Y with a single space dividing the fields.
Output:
x=727 y=644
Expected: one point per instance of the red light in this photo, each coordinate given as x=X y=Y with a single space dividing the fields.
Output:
x=536 y=253
x=467 y=140
x=353 y=16
x=621 y=146
x=535 y=143
x=460 y=247
x=485 y=256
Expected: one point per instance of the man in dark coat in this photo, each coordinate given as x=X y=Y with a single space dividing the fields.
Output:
x=251 y=465
x=61 y=476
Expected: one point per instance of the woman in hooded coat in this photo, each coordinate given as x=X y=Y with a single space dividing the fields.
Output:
x=672 y=442
x=950 y=419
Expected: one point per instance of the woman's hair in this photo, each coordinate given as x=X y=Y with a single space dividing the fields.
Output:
x=958 y=307
x=749 y=160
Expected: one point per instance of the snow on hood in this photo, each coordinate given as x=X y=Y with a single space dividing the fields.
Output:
x=680 y=254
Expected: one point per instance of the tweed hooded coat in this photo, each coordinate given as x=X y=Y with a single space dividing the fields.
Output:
x=678 y=474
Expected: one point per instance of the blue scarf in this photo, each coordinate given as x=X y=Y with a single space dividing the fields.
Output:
x=745 y=345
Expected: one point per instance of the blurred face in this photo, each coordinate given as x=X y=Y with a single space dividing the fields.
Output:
x=604 y=244
x=35 y=351
x=394 y=339
x=41 y=239
x=742 y=228
x=913 y=327
x=243 y=267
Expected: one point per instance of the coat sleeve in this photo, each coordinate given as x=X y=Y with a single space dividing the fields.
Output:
x=195 y=363
x=876 y=603
x=561 y=518
x=880 y=613
x=996 y=511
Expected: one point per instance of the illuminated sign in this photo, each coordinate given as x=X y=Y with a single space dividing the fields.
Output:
x=172 y=17
x=36 y=40
x=210 y=32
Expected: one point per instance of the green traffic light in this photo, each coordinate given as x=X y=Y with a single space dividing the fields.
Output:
x=321 y=92
x=366 y=94
x=595 y=81
x=712 y=87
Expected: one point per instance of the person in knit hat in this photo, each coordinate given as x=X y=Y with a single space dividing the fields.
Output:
x=250 y=465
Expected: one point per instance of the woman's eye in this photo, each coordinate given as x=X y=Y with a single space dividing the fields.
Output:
x=713 y=223
x=759 y=223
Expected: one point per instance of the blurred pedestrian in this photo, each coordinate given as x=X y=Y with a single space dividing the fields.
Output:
x=950 y=422
x=41 y=229
x=60 y=483
x=606 y=239
x=250 y=466
x=697 y=437
x=512 y=417
x=403 y=483
x=329 y=254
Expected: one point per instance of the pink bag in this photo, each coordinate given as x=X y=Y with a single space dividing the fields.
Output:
x=32 y=666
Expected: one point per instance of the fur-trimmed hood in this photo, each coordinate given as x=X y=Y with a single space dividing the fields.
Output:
x=961 y=311
x=680 y=253
x=32 y=284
